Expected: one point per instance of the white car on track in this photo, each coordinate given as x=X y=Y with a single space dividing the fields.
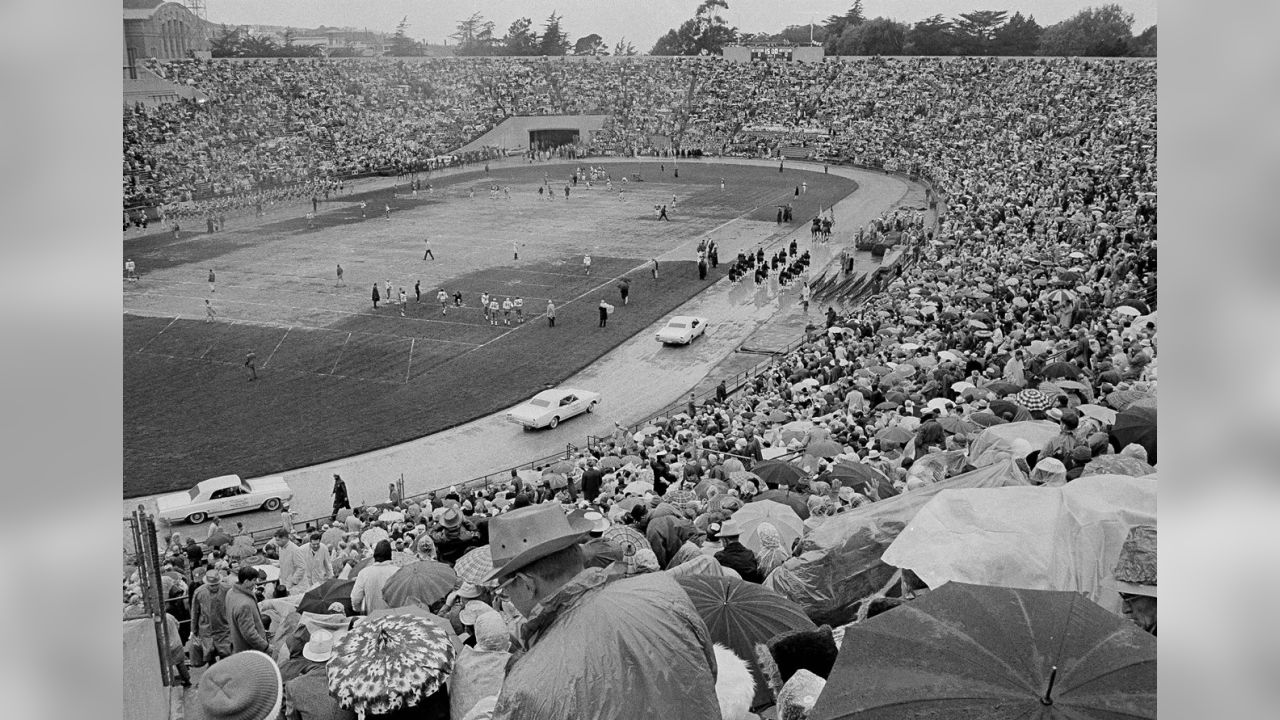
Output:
x=549 y=407
x=225 y=495
x=681 y=330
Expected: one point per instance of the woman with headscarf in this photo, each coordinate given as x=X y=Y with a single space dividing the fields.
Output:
x=478 y=671
x=771 y=553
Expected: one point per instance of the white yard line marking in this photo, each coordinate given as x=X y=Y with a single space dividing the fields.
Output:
x=409 y=366
x=340 y=351
x=153 y=337
x=277 y=347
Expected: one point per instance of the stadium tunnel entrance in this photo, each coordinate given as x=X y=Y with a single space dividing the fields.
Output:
x=550 y=138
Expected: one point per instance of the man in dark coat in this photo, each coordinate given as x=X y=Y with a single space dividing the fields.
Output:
x=592 y=479
x=930 y=433
x=735 y=555
x=244 y=621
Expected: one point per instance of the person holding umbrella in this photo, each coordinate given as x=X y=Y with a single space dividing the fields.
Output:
x=585 y=630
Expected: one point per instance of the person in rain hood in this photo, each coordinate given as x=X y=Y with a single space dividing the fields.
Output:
x=585 y=631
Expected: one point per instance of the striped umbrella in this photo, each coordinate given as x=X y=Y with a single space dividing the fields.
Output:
x=623 y=535
x=1122 y=399
x=1032 y=400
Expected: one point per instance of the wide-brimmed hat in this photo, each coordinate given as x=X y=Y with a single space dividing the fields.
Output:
x=468 y=591
x=472 y=610
x=244 y=686
x=319 y=647
x=451 y=518
x=730 y=528
x=530 y=533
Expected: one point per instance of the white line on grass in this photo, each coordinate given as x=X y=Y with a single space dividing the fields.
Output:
x=277 y=347
x=153 y=337
x=409 y=365
x=340 y=351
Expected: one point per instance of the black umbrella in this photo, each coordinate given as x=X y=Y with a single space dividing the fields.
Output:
x=974 y=651
x=319 y=598
x=779 y=472
x=1000 y=407
x=1136 y=425
x=1061 y=369
x=794 y=500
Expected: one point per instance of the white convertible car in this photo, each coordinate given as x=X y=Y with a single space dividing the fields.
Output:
x=549 y=407
x=681 y=330
x=224 y=495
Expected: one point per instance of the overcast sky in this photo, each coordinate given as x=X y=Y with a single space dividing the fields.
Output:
x=641 y=22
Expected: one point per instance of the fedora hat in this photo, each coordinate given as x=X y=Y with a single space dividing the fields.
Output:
x=730 y=528
x=451 y=518
x=528 y=534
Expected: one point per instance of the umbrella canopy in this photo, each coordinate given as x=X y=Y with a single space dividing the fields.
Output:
x=424 y=583
x=1122 y=399
x=1002 y=387
x=785 y=519
x=856 y=474
x=564 y=466
x=896 y=434
x=610 y=462
x=474 y=566
x=319 y=598
x=1061 y=369
x=824 y=448
x=794 y=500
x=998 y=653
x=1105 y=414
x=1117 y=465
x=741 y=615
x=1127 y=310
x=218 y=539
x=1136 y=425
x=374 y=535
x=736 y=478
x=779 y=472
x=388 y=663
x=1136 y=304
x=623 y=535
x=1033 y=400
x=639 y=487
x=777 y=416
x=953 y=424
x=796 y=429
x=986 y=420
x=645 y=432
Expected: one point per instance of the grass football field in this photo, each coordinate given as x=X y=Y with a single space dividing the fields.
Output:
x=337 y=377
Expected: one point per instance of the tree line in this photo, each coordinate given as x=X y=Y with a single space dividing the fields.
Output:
x=1104 y=31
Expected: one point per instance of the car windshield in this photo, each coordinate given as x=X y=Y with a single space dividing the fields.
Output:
x=195 y=493
x=675 y=324
x=538 y=402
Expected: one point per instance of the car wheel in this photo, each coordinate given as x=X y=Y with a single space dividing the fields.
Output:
x=197 y=518
x=592 y=407
x=554 y=422
x=272 y=504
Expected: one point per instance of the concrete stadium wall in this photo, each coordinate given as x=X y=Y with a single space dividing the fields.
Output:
x=145 y=696
x=514 y=131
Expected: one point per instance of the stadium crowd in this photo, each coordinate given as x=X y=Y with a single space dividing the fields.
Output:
x=1030 y=301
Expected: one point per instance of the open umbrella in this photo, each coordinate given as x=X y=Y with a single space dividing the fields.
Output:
x=823 y=448
x=1061 y=369
x=624 y=535
x=610 y=462
x=777 y=416
x=389 y=663
x=1122 y=399
x=218 y=539
x=796 y=429
x=1000 y=407
x=420 y=583
x=645 y=432
x=1032 y=400
x=319 y=598
x=986 y=420
x=859 y=476
x=797 y=501
x=1136 y=425
x=1136 y=304
x=474 y=566
x=785 y=519
x=896 y=434
x=779 y=472
x=1002 y=387
x=639 y=487
x=562 y=467
x=736 y=478
x=555 y=481
x=969 y=651
x=1104 y=414
x=805 y=383
x=374 y=535
x=1128 y=310
x=953 y=424
x=740 y=615
x=1117 y=465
